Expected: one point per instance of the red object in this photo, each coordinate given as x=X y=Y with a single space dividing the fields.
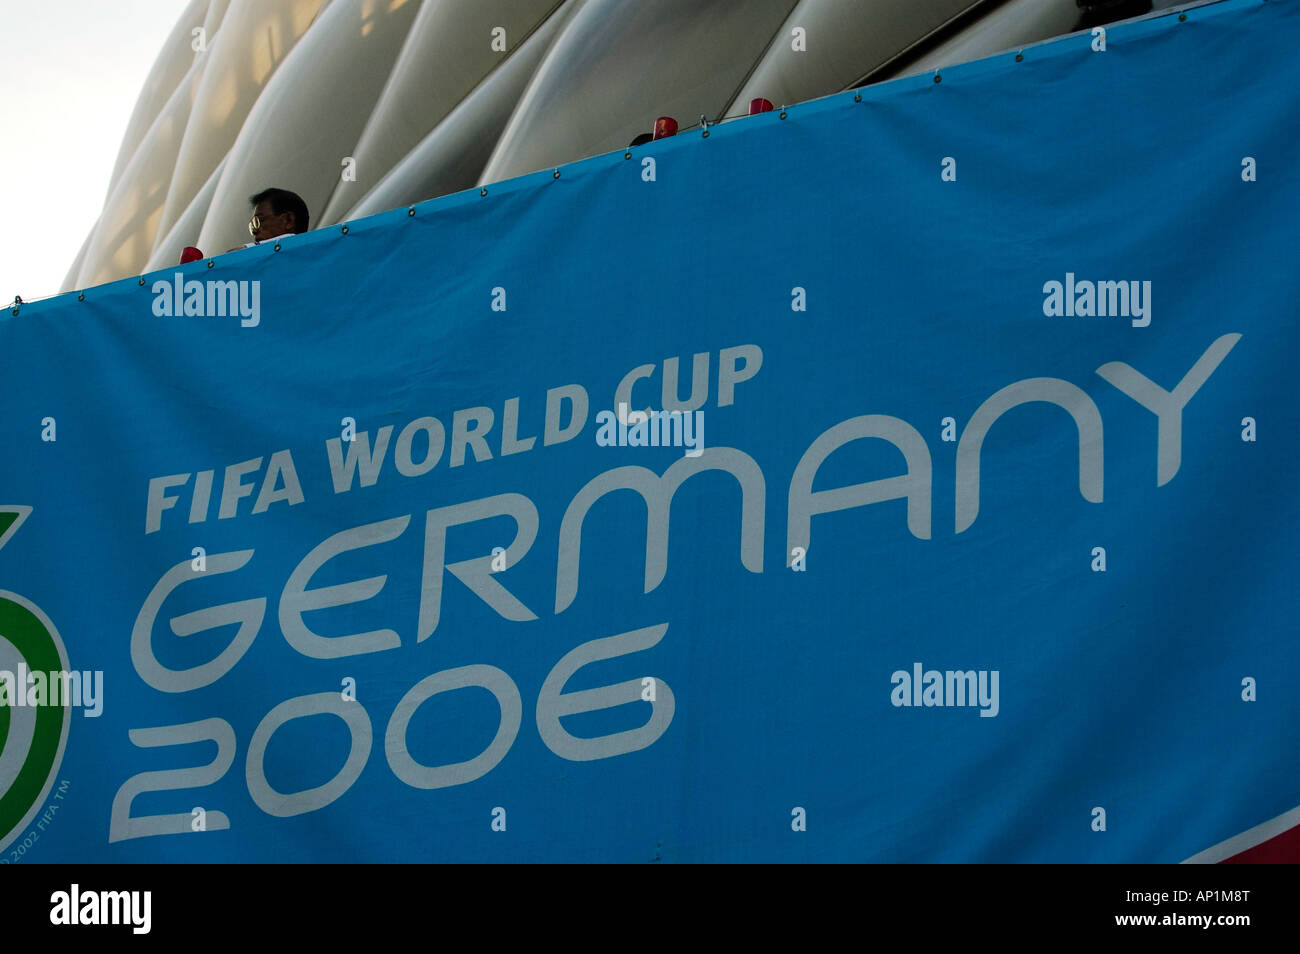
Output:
x=1281 y=849
x=760 y=105
x=190 y=254
x=665 y=126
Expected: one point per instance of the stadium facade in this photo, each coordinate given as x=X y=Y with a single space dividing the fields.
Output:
x=367 y=105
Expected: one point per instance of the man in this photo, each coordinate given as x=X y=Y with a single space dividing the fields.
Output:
x=276 y=213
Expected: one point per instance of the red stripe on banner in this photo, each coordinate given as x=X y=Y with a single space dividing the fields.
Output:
x=1283 y=849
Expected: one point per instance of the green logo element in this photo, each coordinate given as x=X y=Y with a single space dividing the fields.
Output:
x=31 y=737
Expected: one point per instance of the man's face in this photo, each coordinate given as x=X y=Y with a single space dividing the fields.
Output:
x=269 y=225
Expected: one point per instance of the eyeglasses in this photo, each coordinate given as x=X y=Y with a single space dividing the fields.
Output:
x=255 y=223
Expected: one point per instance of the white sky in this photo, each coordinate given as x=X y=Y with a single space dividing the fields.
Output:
x=70 y=73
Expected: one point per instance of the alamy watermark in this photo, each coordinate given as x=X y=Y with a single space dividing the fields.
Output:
x=1100 y=299
x=652 y=429
x=951 y=687
x=130 y=908
x=34 y=689
x=208 y=299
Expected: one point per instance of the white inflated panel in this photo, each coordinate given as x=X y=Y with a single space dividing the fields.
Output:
x=255 y=38
x=451 y=47
x=451 y=157
x=838 y=44
x=619 y=65
x=310 y=114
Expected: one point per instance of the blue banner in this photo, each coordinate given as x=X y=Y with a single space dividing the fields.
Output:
x=907 y=475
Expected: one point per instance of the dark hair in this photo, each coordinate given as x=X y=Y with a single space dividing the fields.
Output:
x=282 y=201
x=641 y=140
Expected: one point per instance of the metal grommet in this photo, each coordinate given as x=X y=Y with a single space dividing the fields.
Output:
x=1019 y=57
x=938 y=78
x=277 y=246
x=857 y=97
x=211 y=263
x=783 y=114
x=81 y=297
x=345 y=230
x=15 y=311
x=482 y=191
x=410 y=211
x=556 y=174
x=141 y=282
x=1182 y=17
x=628 y=154
x=705 y=134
